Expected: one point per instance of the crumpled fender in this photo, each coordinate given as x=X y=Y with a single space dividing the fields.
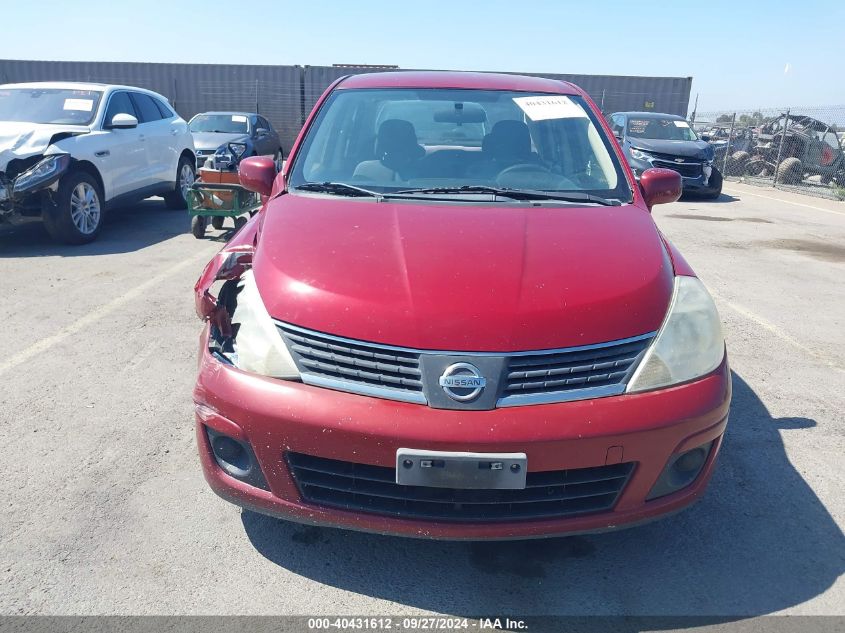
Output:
x=229 y=263
x=22 y=140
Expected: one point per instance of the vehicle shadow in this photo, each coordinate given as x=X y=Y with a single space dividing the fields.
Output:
x=759 y=541
x=125 y=230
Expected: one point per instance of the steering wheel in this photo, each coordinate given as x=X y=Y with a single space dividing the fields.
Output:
x=527 y=175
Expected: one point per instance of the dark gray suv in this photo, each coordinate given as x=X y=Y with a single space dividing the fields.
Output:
x=241 y=134
x=651 y=139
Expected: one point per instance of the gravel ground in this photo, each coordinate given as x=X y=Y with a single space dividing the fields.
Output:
x=106 y=510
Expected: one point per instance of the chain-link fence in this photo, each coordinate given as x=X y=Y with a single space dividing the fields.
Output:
x=801 y=149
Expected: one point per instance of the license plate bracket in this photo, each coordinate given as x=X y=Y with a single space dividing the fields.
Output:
x=474 y=471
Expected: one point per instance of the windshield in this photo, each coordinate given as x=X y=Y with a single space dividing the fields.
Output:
x=226 y=123
x=661 y=129
x=389 y=140
x=49 y=105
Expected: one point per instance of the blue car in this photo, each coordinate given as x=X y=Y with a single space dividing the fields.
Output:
x=651 y=139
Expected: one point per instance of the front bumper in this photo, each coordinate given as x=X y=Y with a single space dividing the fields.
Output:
x=699 y=184
x=276 y=417
x=21 y=195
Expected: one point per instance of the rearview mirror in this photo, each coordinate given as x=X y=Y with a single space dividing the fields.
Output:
x=122 y=121
x=660 y=186
x=257 y=174
x=460 y=115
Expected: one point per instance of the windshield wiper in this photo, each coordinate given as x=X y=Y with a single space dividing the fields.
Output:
x=337 y=189
x=513 y=194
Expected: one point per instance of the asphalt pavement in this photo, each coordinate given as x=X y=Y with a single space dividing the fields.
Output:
x=105 y=510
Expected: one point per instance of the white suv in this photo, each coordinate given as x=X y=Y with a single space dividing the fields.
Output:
x=70 y=150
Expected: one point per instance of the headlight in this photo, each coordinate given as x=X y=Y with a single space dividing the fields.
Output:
x=237 y=148
x=689 y=344
x=259 y=347
x=639 y=154
x=43 y=173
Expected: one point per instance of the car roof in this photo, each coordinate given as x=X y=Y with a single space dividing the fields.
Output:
x=80 y=85
x=652 y=115
x=227 y=113
x=458 y=79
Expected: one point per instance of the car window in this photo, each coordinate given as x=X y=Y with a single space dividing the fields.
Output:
x=146 y=107
x=660 y=129
x=617 y=123
x=392 y=139
x=438 y=123
x=262 y=122
x=119 y=103
x=49 y=105
x=164 y=109
x=222 y=123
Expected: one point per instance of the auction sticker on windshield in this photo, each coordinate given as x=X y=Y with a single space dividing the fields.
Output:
x=238 y=118
x=84 y=105
x=553 y=107
x=681 y=123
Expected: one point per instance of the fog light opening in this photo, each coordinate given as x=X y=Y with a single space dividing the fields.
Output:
x=691 y=461
x=231 y=452
x=681 y=471
x=236 y=458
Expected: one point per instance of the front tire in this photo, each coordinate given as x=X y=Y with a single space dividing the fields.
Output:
x=790 y=171
x=716 y=183
x=77 y=213
x=186 y=173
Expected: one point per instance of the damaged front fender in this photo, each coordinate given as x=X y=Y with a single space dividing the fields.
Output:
x=230 y=263
x=43 y=174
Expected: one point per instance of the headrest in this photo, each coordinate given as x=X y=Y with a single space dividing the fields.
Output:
x=508 y=139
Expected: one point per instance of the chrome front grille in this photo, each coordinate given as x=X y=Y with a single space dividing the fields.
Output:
x=377 y=370
x=547 y=494
x=411 y=375
x=604 y=369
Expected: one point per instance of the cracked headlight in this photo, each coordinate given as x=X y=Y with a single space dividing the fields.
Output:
x=259 y=347
x=639 y=154
x=689 y=344
x=44 y=173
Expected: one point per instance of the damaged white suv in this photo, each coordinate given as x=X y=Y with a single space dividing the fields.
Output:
x=70 y=150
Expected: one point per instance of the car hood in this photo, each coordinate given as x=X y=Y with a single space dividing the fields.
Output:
x=462 y=277
x=213 y=140
x=22 y=140
x=687 y=149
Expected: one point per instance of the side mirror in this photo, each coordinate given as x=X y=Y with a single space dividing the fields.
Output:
x=122 y=121
x=660 y=186
x=618 y=135
x=261 y=131
x=257 y=174
x=705 y=138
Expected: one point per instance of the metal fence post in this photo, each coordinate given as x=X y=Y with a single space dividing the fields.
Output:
x=780 y=147
x=728 y=146
x=256 y=97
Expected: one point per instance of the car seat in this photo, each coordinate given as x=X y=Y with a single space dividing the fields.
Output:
x=507 y=144
x=397 y=150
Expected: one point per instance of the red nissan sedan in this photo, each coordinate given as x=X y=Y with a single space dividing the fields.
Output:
x=454 y=317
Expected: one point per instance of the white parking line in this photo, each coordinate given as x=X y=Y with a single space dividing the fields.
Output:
x=95 y=315
x=797 y=204
x=773 y=329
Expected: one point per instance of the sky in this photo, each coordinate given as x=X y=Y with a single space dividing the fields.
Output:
x=740 y=54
